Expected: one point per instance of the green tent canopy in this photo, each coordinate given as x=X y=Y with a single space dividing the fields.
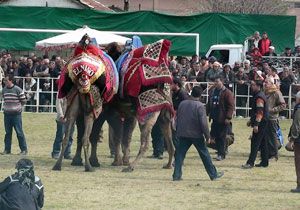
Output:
x=213 y=28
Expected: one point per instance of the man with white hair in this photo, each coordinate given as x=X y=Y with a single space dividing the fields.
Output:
x=294 y=137
x=247 y=67
x=276 y=104
x=213 y=72
x=254 y=39
x=271 y=52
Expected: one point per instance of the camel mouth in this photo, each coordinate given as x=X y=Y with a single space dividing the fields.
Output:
x=84 y=85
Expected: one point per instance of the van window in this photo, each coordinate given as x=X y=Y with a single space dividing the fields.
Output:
x=221 y=55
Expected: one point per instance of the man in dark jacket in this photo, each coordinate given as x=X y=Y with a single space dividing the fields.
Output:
x=294 y=137
x=220 y=108
x=178 y=95
x=191 y=127
x=22 y=190
x=258 y=121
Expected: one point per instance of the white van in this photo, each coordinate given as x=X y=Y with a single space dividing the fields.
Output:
x=228 y=53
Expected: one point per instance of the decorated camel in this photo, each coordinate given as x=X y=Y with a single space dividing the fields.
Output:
x=144 y=95
x=88 y=80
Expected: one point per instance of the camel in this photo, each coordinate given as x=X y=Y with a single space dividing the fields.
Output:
x=122 y=133
x=87 y=81
x=123 y=130
x=164 y=119
x=80 y=105
x=112 y=116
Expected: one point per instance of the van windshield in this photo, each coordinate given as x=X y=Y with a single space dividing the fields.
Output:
x=221 y=55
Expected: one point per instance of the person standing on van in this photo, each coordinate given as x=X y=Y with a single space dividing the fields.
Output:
x=264 y=44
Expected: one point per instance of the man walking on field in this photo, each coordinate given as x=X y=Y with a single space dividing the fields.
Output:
x=220 y=108
x=191 y=128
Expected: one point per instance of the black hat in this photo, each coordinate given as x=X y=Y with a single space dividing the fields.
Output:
x=212 y=59
x=203 y=57
x=177 y=81
x=24 y=164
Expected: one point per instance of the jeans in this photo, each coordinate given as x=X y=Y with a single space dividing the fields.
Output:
x=14 y=121
x=175 y=139
x=157 y=140
x=60 y=131
x=181 y=150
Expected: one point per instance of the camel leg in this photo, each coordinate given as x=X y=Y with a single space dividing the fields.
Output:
x=165 y=125
x=145 y=133
x=77 y=160
x=97 y=126
x=88 y=121
x=115 y=135
x=72 y=115
x=129 y=126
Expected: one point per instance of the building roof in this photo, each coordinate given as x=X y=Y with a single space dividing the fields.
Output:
x=93 y=4
x=168 y=6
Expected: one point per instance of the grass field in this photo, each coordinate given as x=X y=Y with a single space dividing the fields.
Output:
x=150 y=186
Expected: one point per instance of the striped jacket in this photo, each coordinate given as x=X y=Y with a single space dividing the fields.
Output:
x=14 y=99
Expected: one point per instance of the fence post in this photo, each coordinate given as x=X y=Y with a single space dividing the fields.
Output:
x=38 y=95
x=51 y=104
x=248 y=102
x=234 y=92
x=290 y=101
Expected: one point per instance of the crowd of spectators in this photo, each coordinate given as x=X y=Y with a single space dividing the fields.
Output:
x=27 y=69
x=195 y=69
x=260 y=64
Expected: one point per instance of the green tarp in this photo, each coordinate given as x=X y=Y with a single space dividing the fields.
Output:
x=214 y=28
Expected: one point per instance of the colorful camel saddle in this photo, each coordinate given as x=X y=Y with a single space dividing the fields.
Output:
x=153 y=100
x=142 y=75
x=145 y=66
x=87 y=68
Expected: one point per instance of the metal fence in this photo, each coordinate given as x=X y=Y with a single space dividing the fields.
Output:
x=41 y=95
x=243 y=101
x=280 y=61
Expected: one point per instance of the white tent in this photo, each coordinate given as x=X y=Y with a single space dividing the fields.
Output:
x=72 y=38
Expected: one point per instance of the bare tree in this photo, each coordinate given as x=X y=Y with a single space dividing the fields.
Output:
x=238 y=6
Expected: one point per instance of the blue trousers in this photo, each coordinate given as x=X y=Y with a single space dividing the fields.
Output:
x=60 y=131
x=14 y=121
x=183 y=146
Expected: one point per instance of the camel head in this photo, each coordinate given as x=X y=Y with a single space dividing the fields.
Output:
x=84 y=70
x=86 y=66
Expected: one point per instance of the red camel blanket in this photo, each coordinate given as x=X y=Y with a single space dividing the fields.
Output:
x=153 y=100
x=145 y=66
